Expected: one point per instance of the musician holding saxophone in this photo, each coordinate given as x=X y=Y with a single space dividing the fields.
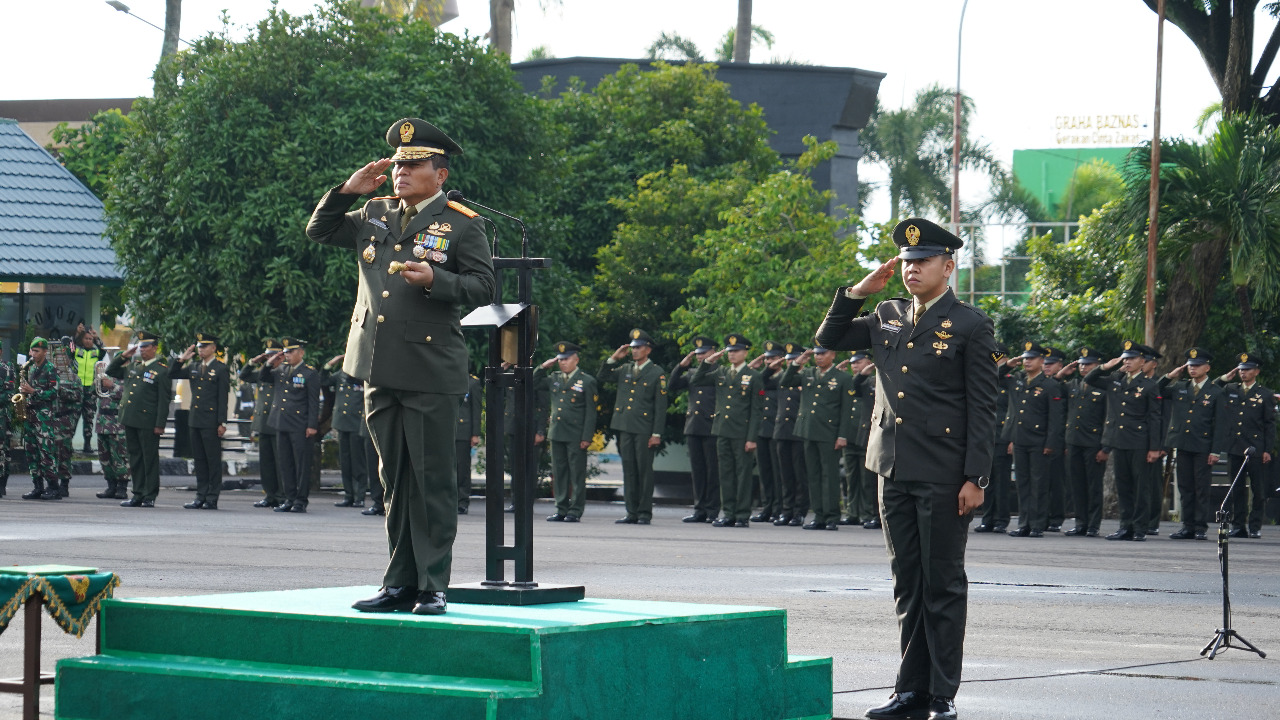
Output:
x=38 y=387
x=8 y=385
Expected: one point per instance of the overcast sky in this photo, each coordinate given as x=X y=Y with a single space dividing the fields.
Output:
x=1025 y=62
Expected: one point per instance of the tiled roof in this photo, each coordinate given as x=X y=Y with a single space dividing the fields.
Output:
x=51 y=226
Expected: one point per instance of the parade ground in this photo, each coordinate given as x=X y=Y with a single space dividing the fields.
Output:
x=1059 y=627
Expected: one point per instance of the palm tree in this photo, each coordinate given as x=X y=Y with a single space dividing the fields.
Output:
x=914 y=143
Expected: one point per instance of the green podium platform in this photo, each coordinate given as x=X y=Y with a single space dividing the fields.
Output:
x=307 y=654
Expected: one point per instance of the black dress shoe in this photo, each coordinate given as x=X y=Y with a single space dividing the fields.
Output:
x=1201 y=536
x=461 y=510
x=1074 y=532
x=375 y=509
x=389 y=599
x=430 y=602
x=999 y=528
x=1183 y=534
x=872 y=524
x=51 y=495
x=1121 y=535
x=298 y=508
x=742 y=523
x=555 y=517
x=194 y=505
x=265 y=503
x=1092 y=533
x=33 y=495
x=982 y=528
x=846 y=520
x=361 y=504
x=1153 y=531
x=1053 y=528
x=509 y=509
x=132 y=502
x=723 y=522
x=782 y=519
x=210 y=505
x=642 y=521
x=284 y=507
x=344 y=503
x=762 y=517
x=797 y=521
x=941 y=708
x=572 y=518
x=628 y=520
x=147 y=503
x=1020 y=532
x=694 y=518
x=901 y=706
x=1139 y=537
x=1036 y=534
x=833 y=526
x=1237 y=533
x=1255 y=534
x=815 y=525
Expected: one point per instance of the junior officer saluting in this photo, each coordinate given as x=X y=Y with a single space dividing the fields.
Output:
x=210 y=382
x=572 y=425
x=931 y=436
x=144 y=411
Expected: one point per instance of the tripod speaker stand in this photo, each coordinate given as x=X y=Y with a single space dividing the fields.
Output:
x=1222 y=638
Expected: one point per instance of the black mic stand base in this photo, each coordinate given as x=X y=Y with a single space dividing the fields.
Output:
x=1222 y=641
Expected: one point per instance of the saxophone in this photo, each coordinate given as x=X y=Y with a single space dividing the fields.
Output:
x=100 y=372
x=19 y=400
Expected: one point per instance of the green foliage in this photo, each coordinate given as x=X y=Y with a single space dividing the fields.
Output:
x=674 y=46
x=91 y=151
x=226 y=163
x=770 y=270
x=724 y=53
x=1092 y=185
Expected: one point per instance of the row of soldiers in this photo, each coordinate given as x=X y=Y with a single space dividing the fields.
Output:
x=1059 y=431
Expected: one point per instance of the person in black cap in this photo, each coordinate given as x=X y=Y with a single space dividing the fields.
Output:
x=210 y=383
x=859 y=485
x=1198 y=432
x=1033 y=429
x=1086 y=462
x=1057 y=499
x=639 y=413
x=572 y=425
x=406 y=345
x=1161 y=471
x=144 y=412
x=826 y=424
x=793 y=474
x=295 y=415
x=348 y=420
x=1131 y=437
x=739 y=398
x=996 y=509
x=766 y=453
x=263 y=394
x=930 y=443
x=704 y=472
x=1251 y=415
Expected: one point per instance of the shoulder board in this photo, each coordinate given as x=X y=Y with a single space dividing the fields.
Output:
x=386 y=197
x=463 y=209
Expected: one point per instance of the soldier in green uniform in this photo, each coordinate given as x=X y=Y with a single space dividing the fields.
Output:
x=88 y=353
x=144 y=412
x=766 y=454
x=704 y=473
x=1198 y=432
x=1086 y=462
x=38 y=381
x=996 y=509
x=348 y=419
x=1157 y=471
x=263 y=394
x=826 y=424
x=639 y=412
x=572 y=423
x=295 y=416
x=112 y=453
x=1034 y=431
x=1131 y=436
x=1251 y=423
x=67 y=411
x=406 y=344
x=8 y=386
x=466 y=435
x=210 y=383
x=739 y=397
x=1057 y=500
x=859 y=484
x=790 y=446
x=931 y=435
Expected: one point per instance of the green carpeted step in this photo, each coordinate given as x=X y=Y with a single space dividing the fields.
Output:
x=808 y=687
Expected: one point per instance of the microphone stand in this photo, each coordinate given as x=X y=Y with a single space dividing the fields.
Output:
x=1222 y=638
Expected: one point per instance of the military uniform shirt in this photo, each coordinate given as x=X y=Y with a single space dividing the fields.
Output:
x=1133 y=410
x=210 y=383
x=147 y=391
x=573 y=399
x=640 y=406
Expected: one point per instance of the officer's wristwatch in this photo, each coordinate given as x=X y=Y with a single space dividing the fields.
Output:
x=982 y=481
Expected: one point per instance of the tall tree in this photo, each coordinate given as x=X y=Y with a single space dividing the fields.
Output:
x=172 y=27
x=500 y=20
x=742 y=33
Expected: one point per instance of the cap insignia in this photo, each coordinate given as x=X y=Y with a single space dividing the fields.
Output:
x=1193 y=353
x=635 y=334
x=406 y=132
x=560 y=347
x=913 y=235
x=1026 y=345
x=1244 y=357
x=1128 y=344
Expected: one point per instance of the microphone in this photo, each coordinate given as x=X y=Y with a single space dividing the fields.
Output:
x=1250 y=451
x=456 y=196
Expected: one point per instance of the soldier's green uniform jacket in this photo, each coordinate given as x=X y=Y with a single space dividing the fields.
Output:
x=209 y=389
x=147 y=391
x=1251 y=417
x=784 y=422
x=1198 y=422
x=769 y=408
x=739 y=399
x=938 y=376
x=826 y=402
x=1036 y=413
x=701 y=401
x=415 y=332
x=348 y=402
x=109 y=411
x=641 y=403
x=297 y=397
x=469 y=411
x=1133 y=410
x=864 y=399
x=263 y=397
x=573 y=405
x=8 y=386
x=42 y=403
x=1086 y=413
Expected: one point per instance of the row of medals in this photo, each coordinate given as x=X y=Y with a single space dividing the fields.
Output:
x=420 y=251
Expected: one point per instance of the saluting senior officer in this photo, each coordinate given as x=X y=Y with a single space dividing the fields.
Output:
x=931 y=437
x=406 y=344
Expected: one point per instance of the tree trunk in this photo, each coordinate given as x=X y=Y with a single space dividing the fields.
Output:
x=172 y=27
x=742 y=35
x=500 y=12
x=1187 y=298
x=1246 y=316
x=1238 y=93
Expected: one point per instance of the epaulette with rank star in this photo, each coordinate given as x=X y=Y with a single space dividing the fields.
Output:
x=463 y=209
x=386 y=197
